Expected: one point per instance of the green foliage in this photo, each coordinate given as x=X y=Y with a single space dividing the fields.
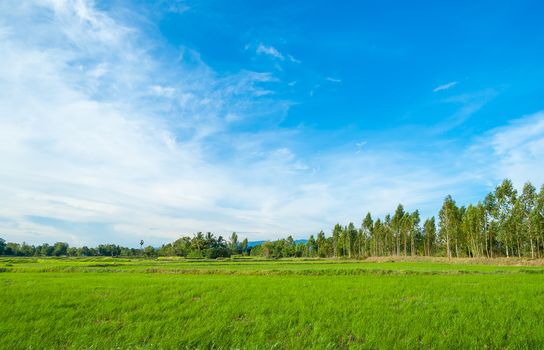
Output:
x=429 y=233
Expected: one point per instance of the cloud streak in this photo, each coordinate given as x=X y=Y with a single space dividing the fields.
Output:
x=514 y=151
x=446 y=86
x=270 y=51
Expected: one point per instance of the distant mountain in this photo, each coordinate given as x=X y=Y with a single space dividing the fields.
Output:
x=255 y=243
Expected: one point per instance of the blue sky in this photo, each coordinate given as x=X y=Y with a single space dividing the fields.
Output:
x=124 y=120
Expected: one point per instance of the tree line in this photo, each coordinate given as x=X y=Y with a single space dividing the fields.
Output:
x=198 y=246
x=504 y=224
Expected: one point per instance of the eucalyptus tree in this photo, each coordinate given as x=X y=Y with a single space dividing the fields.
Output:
x=367 y=231
x=311 y=247
x=290 y=246
x=389 y=240
x=351 y=238
x=429 y=233
x=537 y=219
x=490 y=223
x=506 y=198
x=321 y=242
x=414 y=231
x=379 y=236
x=482 y=239
x=344 y=241
x=397 y=223
x=406 y=224
x=459 y=238
x=336 y=239
x=525 y=206
x=472 y=227
x=449 y=223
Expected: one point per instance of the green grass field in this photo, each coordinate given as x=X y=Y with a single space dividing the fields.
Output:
x=254 y=304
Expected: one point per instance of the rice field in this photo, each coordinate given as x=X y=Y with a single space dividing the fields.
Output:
x=115 y=303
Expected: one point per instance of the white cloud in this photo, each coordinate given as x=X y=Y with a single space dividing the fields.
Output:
x=333 y=80
x=513 y=151
x=293 y=59
x=77 y=127
x=270 y=51
x=469 y=104
x=445 y=86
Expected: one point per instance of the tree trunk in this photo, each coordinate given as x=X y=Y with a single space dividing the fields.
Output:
x=490 y=245
x=413 y=247
x=448 y=245
x=404 y=241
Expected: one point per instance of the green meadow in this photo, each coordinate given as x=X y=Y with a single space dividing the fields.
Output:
x=116 y=303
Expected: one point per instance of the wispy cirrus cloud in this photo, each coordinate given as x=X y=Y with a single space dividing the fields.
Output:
x=270 y=51
x=273 y=52
x=513 y=151
x=333 y=80
x=446 y=86
x=293 y=59
x=467 y=105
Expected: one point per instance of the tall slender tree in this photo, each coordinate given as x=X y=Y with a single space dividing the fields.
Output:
x=414 y=231
x=506 y=198
x=234 y=242
x=429 y=229
x=337 y=240
x=368 y=234
x=525 y=206
x=397 y=225
x=490 y=223
x=449 y=222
